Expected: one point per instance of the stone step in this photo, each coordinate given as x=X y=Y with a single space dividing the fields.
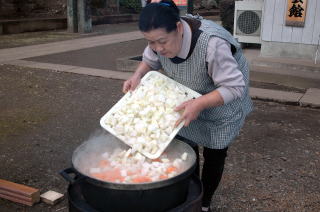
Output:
x=283 y=75
x=302 y=66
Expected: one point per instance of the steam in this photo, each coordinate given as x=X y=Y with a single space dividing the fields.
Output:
x=102 y=143
x=91 y=150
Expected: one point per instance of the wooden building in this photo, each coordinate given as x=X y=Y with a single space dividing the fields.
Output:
x=281 y=40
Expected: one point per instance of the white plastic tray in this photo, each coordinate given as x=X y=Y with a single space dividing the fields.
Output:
x=148 y=79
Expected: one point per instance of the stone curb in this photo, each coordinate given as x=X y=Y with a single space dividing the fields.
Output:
x=311 y=98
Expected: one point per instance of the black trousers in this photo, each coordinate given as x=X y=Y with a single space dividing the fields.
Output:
x=212 y=169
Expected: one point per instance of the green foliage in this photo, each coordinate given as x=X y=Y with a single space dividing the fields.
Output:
x=98 y=3
x=134 y=5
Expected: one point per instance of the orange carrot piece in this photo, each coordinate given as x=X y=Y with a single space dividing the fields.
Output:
x=163 y=177
x=171 y=169
x=104 y=163
x=110 y=175
x=141 y=179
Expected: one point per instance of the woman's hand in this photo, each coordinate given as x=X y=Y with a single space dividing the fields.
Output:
x=191 y=110
x=131 y=83
x=135 y=79
x=193 y=107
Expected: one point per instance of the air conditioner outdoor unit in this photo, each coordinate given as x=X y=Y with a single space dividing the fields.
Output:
x=247 y=21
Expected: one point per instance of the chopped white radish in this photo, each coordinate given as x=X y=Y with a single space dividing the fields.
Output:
x=184 y=156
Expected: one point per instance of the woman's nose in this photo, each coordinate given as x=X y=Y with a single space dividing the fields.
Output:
x=159 y=48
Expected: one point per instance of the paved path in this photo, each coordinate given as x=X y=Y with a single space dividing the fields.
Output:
x=16 y=56
x=65 y=46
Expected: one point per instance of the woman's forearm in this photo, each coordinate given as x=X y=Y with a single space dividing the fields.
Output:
x=212 y=99
x=142 y=69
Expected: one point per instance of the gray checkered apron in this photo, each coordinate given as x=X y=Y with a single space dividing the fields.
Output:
x=215 y=127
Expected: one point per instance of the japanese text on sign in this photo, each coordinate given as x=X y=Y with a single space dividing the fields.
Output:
x=296 y=13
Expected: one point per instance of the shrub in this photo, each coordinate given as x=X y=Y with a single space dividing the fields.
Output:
x=134 y=5
x=227 y=14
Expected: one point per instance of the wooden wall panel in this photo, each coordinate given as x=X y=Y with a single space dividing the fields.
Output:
x=268 y=20
x=287 y=30
x=296 y=35
x=278 y=22
x=316 y=31
x=274 y=29
x=309 y=23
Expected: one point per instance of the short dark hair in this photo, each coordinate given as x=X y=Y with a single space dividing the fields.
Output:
x=164 y=14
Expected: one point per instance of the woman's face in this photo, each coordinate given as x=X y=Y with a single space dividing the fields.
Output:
x=164 y=43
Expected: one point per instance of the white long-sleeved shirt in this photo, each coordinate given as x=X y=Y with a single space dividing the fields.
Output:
x=222 y=67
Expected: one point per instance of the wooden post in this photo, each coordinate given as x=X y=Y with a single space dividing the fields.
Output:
x=84 y=16
x=72 y=16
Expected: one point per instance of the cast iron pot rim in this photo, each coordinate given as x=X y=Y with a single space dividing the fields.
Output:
x=138 y=186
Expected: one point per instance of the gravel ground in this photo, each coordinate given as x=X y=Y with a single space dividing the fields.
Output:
x=44 y=115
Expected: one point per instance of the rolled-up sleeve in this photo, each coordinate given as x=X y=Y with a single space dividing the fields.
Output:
x=223 y=69
x=151 y=58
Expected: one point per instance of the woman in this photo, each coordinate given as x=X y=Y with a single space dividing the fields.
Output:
x=204 y=57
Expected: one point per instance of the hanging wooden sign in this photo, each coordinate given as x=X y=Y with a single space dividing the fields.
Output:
x=296 y=13
x=181 y=2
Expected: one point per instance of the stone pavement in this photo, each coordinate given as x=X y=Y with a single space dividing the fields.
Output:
x=21 y=56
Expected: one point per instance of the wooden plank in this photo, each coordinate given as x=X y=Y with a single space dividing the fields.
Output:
x=309 y=23
x=278 y=22
x=14 y=199
x=20 y=189
x=268 y=20
x=14 y=195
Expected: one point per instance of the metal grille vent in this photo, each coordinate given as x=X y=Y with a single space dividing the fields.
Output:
x=249 y=22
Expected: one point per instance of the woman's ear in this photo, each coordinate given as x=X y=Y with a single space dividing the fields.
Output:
x=180 y=27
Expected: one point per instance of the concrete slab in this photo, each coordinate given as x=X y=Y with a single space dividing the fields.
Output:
x=65 y=46
x=302 y=80
x=50 y=66
x=285 y=64
x=129 y=63
x=98 y=57
x=73 y=69
x=311 y=98
x=275 y=95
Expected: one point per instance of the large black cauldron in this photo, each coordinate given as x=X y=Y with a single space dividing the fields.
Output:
x=77 y=203
x=119 y=197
